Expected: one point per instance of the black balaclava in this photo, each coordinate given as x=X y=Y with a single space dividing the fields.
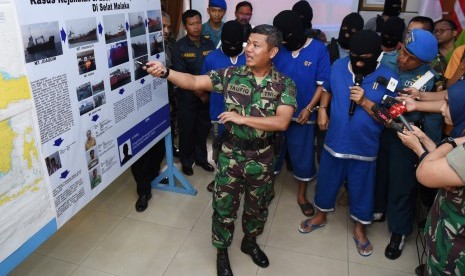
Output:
x=288 y=22
x=393 y=31
x=232 y=36
x=351 y=21
x=305 y=12
x=364 y=42
x=392 y=7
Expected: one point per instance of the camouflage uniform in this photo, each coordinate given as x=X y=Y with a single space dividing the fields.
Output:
x=246 y=170
x=445 y=226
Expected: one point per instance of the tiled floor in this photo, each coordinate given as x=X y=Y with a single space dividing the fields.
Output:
x=172 y=238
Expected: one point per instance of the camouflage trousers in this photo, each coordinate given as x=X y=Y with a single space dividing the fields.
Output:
x=248 y=173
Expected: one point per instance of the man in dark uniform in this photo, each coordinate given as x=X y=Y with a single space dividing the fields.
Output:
x=259 y=101
x=188 y=56
x=243 y=15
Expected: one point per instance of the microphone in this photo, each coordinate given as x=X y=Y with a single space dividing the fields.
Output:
x=353 y=104
x=384 y=82
x=396 y=109
x=382 y=114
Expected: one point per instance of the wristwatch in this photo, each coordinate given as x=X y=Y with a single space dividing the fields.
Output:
x=450 y=141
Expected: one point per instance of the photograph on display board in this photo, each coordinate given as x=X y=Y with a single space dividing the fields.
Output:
x=86 y=62
x=136 y=24
x=92 y=158
x=138 y=64
x=81 y=32
x=99 y=99
x=139 y=46
x=41 y=41
x=98 y=87
x=84 y=91
x=119 y=77
x=125 y=152
x=154 y=20
x=117 y=53
x=114 y=28
x=156 y=43
x=53 y=163
x=95 y=177
x=86 y=106
x=90 y=140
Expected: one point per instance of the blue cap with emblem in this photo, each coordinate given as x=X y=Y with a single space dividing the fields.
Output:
x=422 y=44
x=217 y=4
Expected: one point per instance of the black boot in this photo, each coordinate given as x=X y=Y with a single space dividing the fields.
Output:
x=223 y=268
x=249 y=246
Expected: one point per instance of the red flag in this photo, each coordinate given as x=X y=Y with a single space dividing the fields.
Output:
x=458 y=14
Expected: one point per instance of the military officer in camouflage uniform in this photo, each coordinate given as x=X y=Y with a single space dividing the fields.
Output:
x=259 y=100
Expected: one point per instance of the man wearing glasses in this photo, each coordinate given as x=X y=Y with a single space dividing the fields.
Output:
x=396 y=183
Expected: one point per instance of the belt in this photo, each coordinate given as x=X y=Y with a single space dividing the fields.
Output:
x=247 y=144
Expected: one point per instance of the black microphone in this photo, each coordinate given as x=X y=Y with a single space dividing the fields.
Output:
x=353 y=104
x=382 y=114
x=396 y=109
x=384 y=82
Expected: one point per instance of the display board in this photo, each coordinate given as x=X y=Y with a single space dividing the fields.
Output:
x=76 y=107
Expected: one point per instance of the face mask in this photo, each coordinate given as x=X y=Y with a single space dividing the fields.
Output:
x=344 y=38
x=369 y=65
x=231 y=49
x=362 y=43
x=232 y=37
x=294 y=41
x=351 y=22
x=288 y=22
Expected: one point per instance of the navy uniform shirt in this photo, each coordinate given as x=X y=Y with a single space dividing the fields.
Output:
x=187 y=57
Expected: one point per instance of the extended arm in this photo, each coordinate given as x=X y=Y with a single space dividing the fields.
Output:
x=435 y=171
x=183 y=80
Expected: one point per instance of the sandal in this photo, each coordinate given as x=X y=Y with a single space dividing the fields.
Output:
x=307 y=209
x=306 y=227
x=362 y=248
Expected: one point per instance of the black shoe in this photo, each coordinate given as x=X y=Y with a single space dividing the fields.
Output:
x=187 y=170
x=143 y=202
x=394 y=248
x=206 y=166
x=165 y=181
x=223 y=268
x=175 y=151
x=211 y=186
x=250 y=247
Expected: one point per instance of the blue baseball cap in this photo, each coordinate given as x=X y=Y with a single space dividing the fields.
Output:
x=218 y=4
x=422 y=44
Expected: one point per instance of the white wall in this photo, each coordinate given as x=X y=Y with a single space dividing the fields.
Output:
x=327 y=14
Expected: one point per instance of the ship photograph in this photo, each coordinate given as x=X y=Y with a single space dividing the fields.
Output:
x=139 y=46
x=98 y=87
x=113 y=26
x=120 y=77
x=81 y=32
x=117 y=54
x=41 y=41
x=86 y=106
x=86 y=62
x=138 y=71
x=99 y=99
x=83 y=91
x=156 y=43
x=136 y=24
x=154 y=21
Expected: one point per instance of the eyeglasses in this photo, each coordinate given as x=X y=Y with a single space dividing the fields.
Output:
x=440 y=31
